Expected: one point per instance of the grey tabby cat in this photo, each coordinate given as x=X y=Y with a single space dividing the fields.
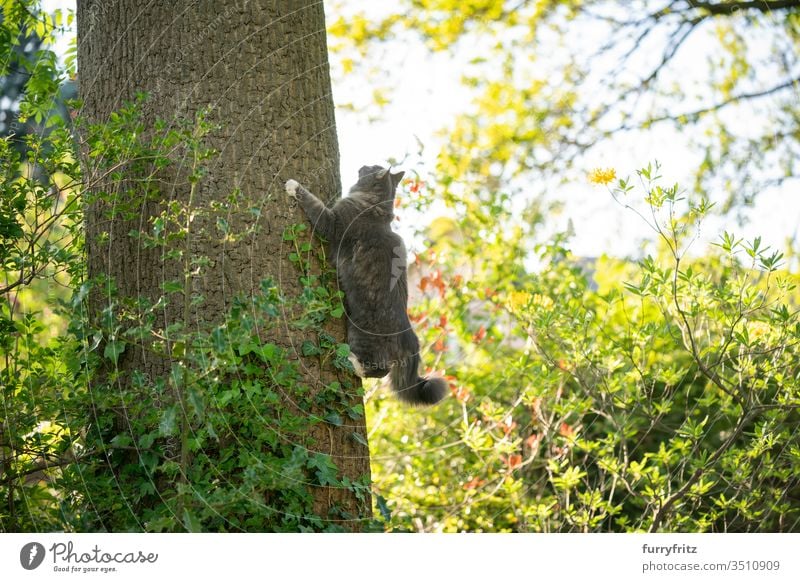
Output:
x=370 y=262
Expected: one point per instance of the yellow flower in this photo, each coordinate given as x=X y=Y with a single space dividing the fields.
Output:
x=602 y=176
x=542 y=301
x=517 y=299
x=757 y=329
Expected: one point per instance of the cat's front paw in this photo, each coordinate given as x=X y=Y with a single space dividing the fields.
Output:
x=291 y=188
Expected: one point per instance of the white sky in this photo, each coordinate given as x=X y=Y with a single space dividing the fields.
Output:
x=426 y=93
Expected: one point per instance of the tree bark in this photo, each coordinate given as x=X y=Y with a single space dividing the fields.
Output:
x=262 y=66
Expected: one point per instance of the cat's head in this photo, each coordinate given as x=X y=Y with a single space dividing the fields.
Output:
x=377 y=186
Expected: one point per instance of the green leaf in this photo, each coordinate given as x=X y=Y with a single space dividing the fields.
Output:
x=113 y=350
x=191 y=522
x=168 y=423
x=172 y=286
x=359 y=439
x=386 y=513
x=334 y=418
x=267 y=352
x=146 y=440
x=326 y=470
x=196 y=401
x=309 y=349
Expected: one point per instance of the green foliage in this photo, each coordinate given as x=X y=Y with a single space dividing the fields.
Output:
x=219 y=445
x=40 y=254
x=222 y=442
x=661 y=396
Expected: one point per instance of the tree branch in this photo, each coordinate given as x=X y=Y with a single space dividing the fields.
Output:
x=38 y=467
x=730 y=8
x=693 y=115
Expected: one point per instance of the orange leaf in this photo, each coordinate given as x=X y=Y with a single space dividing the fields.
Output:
x=474 y=483
x=460 y=393
x=417 y=318
x=507 y=426
x=514 y=461
x=443 y=321
x=438 y=282
x=566 y=430
x=479 y=335
x=533 y=441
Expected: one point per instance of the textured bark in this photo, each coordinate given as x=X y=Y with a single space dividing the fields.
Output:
x=262 y=65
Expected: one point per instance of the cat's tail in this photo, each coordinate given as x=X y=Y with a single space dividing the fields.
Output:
x=411 y=388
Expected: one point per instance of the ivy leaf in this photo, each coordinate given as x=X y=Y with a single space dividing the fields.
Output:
x=359 y=439
x=167 y=425
x=197 y=403
x=356 y=411
x=178 y=349
x=326 y=469
x=334 y=418
x=309 y=349
x=113 y=350
x=172 y=286
x=146 y=440
x=386 y=513
x=191 y=522
x=266 y=352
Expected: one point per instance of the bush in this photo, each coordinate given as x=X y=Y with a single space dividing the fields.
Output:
x=660 y=396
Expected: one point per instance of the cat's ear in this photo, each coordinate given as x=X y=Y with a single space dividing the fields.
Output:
x=397 y=177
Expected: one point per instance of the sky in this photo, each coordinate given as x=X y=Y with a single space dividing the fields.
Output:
x=425 y=92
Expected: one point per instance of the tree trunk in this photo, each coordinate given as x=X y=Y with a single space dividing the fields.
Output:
x=262 y=67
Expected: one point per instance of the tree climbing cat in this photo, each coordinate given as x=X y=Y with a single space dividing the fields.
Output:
x=370 y=261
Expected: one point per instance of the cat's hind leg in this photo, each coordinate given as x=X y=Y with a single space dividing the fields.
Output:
x=366 y=354
x=360 y=372
x=368 y=366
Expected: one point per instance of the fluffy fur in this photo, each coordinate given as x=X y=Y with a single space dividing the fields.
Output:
x=370 y=262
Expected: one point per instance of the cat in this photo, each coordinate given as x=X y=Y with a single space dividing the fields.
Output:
x=370 y=261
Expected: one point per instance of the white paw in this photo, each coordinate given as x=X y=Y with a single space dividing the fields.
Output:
x=357 y=365
x=291 y=188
